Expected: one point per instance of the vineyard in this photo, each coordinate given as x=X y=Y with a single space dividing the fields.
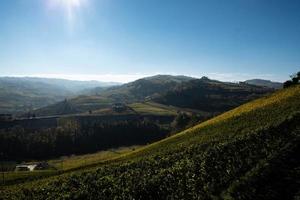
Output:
x=251 y=152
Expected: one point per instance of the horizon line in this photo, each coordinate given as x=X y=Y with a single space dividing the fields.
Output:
x=126 y=78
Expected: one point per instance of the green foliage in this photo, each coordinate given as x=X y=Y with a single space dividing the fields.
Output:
x=236 y=155
x=181 y=120
x=75 y=137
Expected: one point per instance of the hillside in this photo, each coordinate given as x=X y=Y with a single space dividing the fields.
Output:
x=99 y=98
x=24 y=94
x=19 y=95
x=140 y=89
x=74 y=105
x=209 y=95
x=184 y=92
x=265 y=83
x=250 y=152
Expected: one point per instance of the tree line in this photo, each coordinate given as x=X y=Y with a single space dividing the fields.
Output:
x=18 y=143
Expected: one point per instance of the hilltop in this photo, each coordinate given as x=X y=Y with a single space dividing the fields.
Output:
x=250 y=152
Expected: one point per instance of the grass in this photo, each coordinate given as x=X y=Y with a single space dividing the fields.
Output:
x=175 y=109
x=79 y=161
x=66 y=164
x=147 y=108
x=23 y=176
x=87 y=100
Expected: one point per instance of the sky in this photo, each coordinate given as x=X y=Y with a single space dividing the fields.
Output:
x=122 y=40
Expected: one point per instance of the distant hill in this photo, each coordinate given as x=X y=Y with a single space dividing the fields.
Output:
x=265 y=83
x=210 y=95
x=140 y=89
x=202 y=94
x=74 y=86
x=20 y=95
x=100 y=97
x=23 y=94
x=74 y=105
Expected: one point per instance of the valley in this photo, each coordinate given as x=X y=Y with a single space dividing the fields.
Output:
x=178 y=153
x=199 y=133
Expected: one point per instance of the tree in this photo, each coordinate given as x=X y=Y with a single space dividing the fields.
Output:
x=287 y=84
x=181 y=121
x=295 y=79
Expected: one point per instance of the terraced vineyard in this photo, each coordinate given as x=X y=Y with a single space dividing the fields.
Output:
x=251 y=152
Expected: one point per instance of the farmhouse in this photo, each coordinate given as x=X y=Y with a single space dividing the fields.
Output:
x=32 y=166
x=26 y=167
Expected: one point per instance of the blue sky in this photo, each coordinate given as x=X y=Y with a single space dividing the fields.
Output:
x=121 y=40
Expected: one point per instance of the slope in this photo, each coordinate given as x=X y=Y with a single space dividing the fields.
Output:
x=203 y=94
x=99 y=98
x=22 y=94
x=210 y=95
x=142 y=88
x=265 y=83
x=232 y=156
x=75 y=105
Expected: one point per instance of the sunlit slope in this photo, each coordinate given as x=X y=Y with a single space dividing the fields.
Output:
x=258 y=114
x=251 y=152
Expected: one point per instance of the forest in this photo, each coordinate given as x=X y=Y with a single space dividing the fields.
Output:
x=74 y=138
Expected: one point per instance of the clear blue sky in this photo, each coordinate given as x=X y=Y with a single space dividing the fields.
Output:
x=223 y=39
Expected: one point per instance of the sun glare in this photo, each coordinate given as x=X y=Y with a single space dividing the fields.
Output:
x=69 y=6
x=67 y=3
x=70 y=3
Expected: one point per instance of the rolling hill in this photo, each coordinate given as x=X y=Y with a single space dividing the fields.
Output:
x=79 y=104
x=265 y=83
x=184 y=92
x=209 y=95
x=250 y=152
x=140 y=89
x=19 y=95
x=101 y=98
